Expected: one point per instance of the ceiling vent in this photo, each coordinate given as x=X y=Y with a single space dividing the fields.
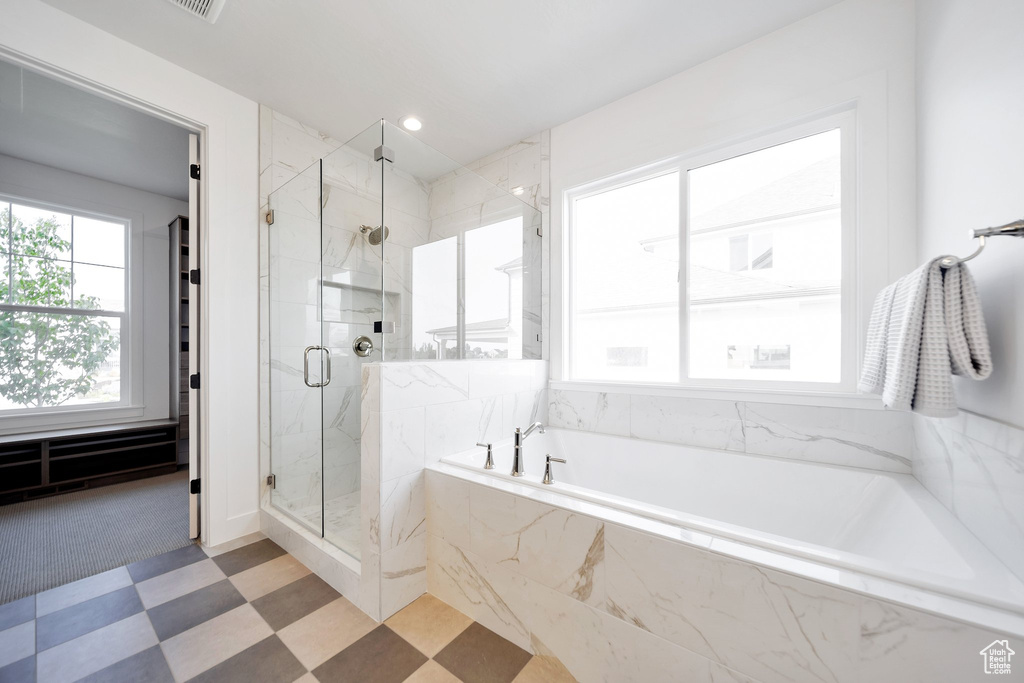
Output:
x=204 y=9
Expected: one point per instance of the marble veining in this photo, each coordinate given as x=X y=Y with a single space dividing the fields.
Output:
x=870 y=439
x=975 y=467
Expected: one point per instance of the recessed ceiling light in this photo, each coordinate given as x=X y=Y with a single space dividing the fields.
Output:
x=518 y=190
x=410 y=123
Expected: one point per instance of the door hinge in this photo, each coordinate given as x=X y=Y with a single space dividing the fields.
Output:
x=194 y=486
x=193 y=171
x=270 y=217
x=272 y=481
x=193 y=276
x=383 y=327
x=193 y=381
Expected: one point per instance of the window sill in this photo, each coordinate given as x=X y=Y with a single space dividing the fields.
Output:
x=802 y=398
x=69 y=418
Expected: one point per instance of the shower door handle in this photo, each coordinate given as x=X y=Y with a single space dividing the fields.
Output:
x=305 y=367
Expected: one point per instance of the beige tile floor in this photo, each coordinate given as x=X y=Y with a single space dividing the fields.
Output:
x=246 y=612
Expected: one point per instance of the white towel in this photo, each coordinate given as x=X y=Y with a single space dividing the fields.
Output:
x=925 y=327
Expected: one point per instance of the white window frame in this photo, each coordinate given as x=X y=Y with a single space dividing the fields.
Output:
x=125 y=330
x=846 y=121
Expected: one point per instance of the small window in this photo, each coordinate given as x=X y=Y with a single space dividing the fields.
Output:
x=63 y=308
x=729 y=268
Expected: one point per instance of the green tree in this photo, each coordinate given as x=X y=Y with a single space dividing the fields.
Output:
x=46 y=359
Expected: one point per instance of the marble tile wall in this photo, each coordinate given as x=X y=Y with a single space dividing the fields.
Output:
x=614 y=603
x=426 y=410
x=872 y=439
x=975 y=467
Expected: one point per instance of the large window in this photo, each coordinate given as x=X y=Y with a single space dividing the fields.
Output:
x=63 y=314
x=727 y=269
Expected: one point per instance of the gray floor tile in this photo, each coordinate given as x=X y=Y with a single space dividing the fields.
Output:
x=294 y=601
x=149 y=666
x=381 y=656
x=267 y=660
x=17 y=612
x=181 y=614
x=21 y=671
x=155 y=566
x=479 y=655
x=69 y=623
x=248 y=556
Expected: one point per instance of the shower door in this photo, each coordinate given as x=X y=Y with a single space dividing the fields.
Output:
x=324 y=297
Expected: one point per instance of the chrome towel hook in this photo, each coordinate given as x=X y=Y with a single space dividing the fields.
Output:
x=1014 y=229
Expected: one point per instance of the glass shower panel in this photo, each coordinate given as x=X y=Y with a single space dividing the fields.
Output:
x=354 y=232
x=462 y=262
x=296 y=435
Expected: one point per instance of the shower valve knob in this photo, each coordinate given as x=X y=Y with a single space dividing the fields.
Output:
x=362 y=346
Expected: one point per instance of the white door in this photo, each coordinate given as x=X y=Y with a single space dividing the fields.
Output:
x=193 y=335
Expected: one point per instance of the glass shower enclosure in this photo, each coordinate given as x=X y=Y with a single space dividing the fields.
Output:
x=384 y=250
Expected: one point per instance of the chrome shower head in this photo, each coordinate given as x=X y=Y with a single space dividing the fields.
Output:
x=373 y=235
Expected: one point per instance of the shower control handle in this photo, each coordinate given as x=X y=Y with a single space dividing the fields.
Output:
x=362 y=346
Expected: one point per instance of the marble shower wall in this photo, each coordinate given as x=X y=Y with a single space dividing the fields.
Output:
x=872 y=439
x=975 y=467
x=425 y=411
x=615 y=604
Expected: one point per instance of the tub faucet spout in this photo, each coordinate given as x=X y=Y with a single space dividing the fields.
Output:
x=517 y=450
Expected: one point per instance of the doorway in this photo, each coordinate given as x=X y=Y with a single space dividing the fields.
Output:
x=89 y=438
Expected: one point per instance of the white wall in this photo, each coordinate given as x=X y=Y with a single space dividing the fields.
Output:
x=37 y=34
x=970 y=175
x=971 y=171
x=149 y=272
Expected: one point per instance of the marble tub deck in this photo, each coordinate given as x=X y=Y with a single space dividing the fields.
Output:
x=245 y=612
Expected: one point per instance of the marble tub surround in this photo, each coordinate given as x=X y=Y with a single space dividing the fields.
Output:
x=661 y=609
x=871 y=439
x=975 y=467
x=424 y=411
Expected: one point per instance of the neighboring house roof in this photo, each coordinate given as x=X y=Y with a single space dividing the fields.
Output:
x=813 y=187
x=650 y=290
x=485 y=330
x=514 y=264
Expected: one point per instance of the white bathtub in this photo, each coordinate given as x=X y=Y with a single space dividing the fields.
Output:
x=857 y=522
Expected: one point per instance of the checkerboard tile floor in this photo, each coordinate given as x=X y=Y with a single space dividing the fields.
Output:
x=251 y=614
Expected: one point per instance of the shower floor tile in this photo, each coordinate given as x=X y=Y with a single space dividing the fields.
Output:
x=341 y=525
x=270 y=620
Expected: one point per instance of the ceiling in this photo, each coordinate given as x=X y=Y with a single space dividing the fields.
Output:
x=481 y=74
x=51 y=123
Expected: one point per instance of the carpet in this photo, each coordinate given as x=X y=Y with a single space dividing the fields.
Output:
x=52 y=541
